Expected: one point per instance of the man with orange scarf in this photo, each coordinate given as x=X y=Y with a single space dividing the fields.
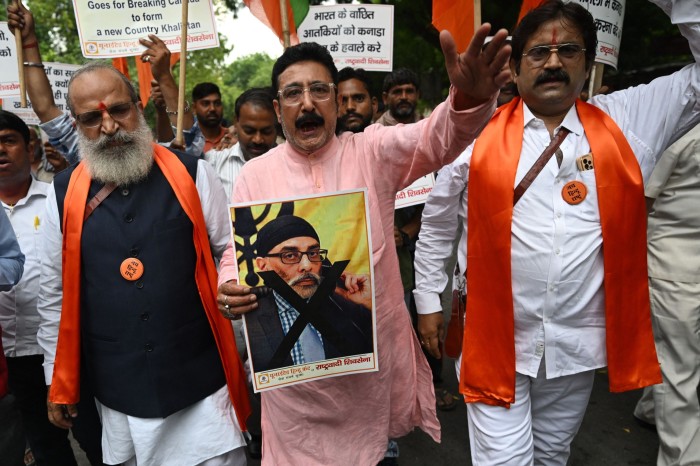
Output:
x=127 y=299
x=556 y=270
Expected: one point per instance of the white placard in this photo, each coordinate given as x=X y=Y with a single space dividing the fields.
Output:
x=59 y=74
x=9 y=75
x=608 y=16
x=416 y=193
x=359 y=36
x=112 y=28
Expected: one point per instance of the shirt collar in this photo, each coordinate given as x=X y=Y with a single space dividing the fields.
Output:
x=321 y=155
x=570 y=122
x=36 y=188
x=283 y=305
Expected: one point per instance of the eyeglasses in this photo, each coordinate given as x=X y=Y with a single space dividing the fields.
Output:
x=294 y=257
x=538 y=56
x=293 y=95
x=94 y=117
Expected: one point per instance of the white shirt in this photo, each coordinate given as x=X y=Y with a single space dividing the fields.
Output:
x=556 y=258
x=19 y=318
x=673 y=229
x=127 y=434
x=228 y=164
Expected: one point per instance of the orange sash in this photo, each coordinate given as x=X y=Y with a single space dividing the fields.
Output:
x=488 y=365
x=65 y=386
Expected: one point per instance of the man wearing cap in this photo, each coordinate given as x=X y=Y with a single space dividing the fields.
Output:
x=290 y=247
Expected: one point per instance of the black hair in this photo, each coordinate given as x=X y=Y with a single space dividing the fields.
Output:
x=258 y=96
x=94 y=66
x=572 y=13
x=348 y=73
x=202 y=90
x=400 y=77
x=305 y=51
x=9 y=120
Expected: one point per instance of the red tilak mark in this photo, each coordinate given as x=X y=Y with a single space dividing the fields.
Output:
x=554 y=36
x=102 y=106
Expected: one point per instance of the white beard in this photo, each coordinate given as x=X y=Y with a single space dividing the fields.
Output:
x=126 y=163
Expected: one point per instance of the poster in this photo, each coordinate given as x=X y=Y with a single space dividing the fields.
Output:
x=112 y=28
x=416 y=193
x=59 y=74
x=608 y=16
x=9 y=75
x=359 y=36
x=309 y=261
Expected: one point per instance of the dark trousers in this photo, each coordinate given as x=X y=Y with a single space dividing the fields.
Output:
x=11 y=432
x=49 y=444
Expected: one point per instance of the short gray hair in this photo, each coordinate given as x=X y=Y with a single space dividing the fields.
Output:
x=92 y=67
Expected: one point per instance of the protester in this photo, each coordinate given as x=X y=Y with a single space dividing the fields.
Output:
x=673 y=226
x=400 y=93
x=352 y=417
x=23 y=199
x=538 y=321
x=356 y=103
x=126 y=292
x=209 y=109
x=11 y=430
x=257 y=134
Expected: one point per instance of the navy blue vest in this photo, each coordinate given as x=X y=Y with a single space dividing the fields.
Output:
x=147 y=346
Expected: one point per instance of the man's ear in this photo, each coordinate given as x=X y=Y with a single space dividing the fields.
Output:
x=139 y=105
x=384 y=98
x=276 y=104
x=513 y=70
x=375 y=106
x=261 y=262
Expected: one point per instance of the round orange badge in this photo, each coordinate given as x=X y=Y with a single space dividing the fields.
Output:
x=131 y=269
x=574 y=192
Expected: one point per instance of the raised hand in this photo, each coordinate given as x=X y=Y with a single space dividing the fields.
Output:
x=477 y=74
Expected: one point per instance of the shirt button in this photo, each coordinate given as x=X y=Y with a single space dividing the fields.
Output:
x=556 y=180
x=125 y=192
x=139 y=284
x=557 y=252
x=128 y=218
x=145 y=316
x=558 y=214
x=134 y=252
x=148 y=347
x=318 y=185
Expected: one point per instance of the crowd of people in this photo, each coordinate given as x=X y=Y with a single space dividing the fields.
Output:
x=120 y=298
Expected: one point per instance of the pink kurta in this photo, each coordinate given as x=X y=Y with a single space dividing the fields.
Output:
x=347 y=420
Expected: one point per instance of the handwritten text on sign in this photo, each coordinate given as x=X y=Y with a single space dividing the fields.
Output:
x=608 y=16
x=359 y=36
x=9 y=76
x=59 y=74
x=112 y=28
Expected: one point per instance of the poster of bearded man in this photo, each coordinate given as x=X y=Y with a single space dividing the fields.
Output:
x=309 y=262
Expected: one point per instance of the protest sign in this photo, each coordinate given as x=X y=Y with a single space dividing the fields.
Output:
x=359 y=36
x=9 y=74
x=59 y=74
x=417 y=193
x=309 y=261
x=112 y=28
x=608 y=16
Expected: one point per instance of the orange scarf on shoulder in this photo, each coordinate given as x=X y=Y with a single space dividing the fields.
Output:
x=65 y=386
x=488 y=352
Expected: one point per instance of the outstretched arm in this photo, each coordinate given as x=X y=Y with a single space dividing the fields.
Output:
x=38 y=86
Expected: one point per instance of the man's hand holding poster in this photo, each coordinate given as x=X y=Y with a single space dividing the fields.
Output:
x=309 y=261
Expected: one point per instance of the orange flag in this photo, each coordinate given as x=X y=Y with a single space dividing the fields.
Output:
x=268 y=11
x=527 y=6
x=121 y=65
x=457 y=16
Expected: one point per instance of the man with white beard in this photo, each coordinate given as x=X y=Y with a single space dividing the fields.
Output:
x=129 y=284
